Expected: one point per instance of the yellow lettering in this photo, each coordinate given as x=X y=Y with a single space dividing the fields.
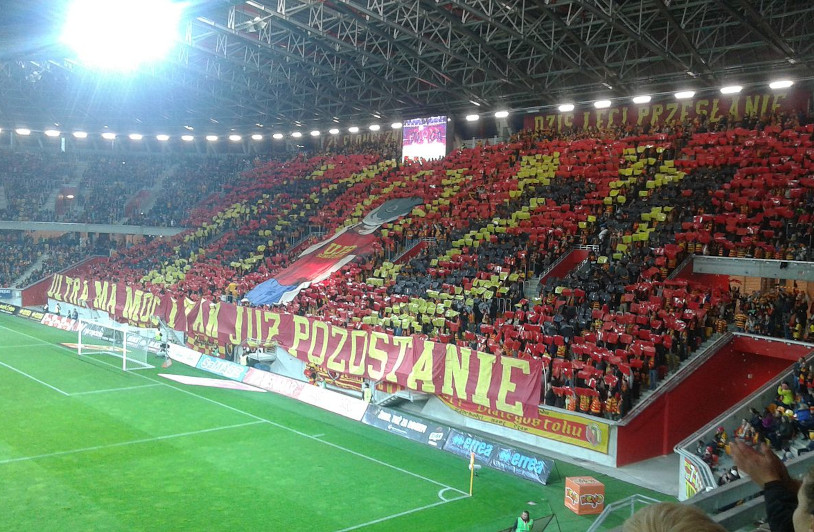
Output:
x=658 y=109
x=485 y=363
x=456 y=371
x=271 y=324
x=357 y=352
x=212 y=321
x=644 y=111
x=701 y=107
x=300 y=331
x=752 y=106
x=402 y=342
x=420 y=377
x=375 y=353
x=236 y=336
x=321 y=327
x=672 y=108
x=332 y=364
x=733 y=108
x=507 y=386
x=611 y=113
x=685 y=111
x=568 y=119
x=714 y=115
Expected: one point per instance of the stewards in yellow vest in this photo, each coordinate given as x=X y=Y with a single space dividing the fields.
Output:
x=524 y=522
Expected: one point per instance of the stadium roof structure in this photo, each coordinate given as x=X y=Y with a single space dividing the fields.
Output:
x=310 y=63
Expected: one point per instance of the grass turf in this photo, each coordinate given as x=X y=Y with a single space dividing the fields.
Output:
x=85 y=446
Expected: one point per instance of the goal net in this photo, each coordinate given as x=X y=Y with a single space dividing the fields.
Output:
x=134 y=347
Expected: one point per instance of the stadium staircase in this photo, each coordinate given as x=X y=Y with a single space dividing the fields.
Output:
x=34 y=266
x=381 y=398
x=3 y=198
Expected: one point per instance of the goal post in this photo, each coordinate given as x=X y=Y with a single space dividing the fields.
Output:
x=130 y=344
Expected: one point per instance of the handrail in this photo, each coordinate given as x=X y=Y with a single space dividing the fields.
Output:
x=628 y=502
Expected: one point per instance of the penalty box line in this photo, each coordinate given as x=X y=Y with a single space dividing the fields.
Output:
x=304 y=435
x=125 y=443
x=313 y=438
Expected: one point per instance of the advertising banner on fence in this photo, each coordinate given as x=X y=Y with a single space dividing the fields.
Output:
x=6 y=293
x=406 y=426
x=501 y=457
x=61 y=322
x=691 y=477
x=33 y=315
x=559 y=426
x=504 y=384
x=307 y=393
x=7 y=308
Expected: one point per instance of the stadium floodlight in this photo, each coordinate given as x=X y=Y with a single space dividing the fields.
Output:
x=731 y=89
x=80 y=134
x=257 y=136
x=375 y=127
x=211 y=138
x=602 y=104
x=24 y=131
x=396 y=125
x=566 y=108
x=296 y=134
x=110 y=34
x=501 y=114
x=187 y=138
x=684 y=95
x=644 y=98
x=333 y=131
x=107 y=135
x=235 y=138
x=472 y=118
x=51 y=133
x=135 y=136
x=162 y=137
x=353 y=129
x=277 y=136
x=315 y=133
x=781 y=84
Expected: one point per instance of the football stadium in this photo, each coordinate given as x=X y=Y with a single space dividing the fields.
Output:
x=458 y=265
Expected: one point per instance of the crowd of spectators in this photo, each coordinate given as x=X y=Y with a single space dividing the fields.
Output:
x=493 y=219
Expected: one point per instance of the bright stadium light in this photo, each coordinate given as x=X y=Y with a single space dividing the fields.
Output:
x=602 y=104
x=24 y=131
x=353 y=129
x=51 y=133
x=644 y=98
x=135 y=136
x=235 y=138
x=315 y=133
x=110 y=34
x=781 y=84
x=501 y=114
x=107 y=135
x=80 y=134
x=277 y=136
x=333 y=131
x=296 y=134
x=211 y=138
x=375 y=127
x=187 y=138
x=472 y=118
x=566 y=108
x=684 y=95
x=396 y=125
x=162 y=137
x=257 y=136
x=731 y=89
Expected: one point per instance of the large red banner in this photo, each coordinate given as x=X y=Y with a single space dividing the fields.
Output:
x=659 y=113
x=506 y=384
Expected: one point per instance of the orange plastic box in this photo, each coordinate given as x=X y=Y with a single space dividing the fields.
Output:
x=584 y=495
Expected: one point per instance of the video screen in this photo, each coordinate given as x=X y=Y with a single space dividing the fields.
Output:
x=424 y=138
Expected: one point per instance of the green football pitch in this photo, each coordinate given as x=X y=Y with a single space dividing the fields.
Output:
x=86 y=446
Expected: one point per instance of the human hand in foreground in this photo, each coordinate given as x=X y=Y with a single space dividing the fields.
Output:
x=760 y=463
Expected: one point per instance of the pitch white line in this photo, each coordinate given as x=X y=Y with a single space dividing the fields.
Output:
x=35 y=379
x=304 y=435
x=317 y=435
x=23 y=345
x=115 y=389
x=125 y=443
x=408 y=512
